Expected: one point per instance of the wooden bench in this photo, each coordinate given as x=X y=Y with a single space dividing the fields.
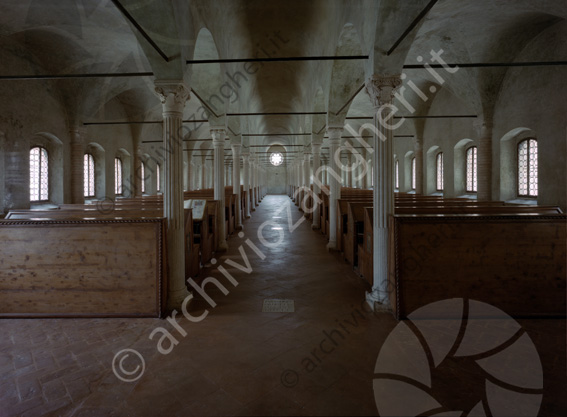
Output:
x=86 y=212
x=513 y=262
x=354 y=229
x=366 y=247
x=82 y=268
x=229 y=205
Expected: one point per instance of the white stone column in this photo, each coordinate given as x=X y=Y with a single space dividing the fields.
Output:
x=236 y=147
x=226 y=173
x=368 y=176
x=257 y=180
x=252 y=175
x=306 y=179
x=189 y=172
x=316 y=148
x=334 y=181
x=203 y=173
x=484 y=160
x=246 y=166
x=173 y=95
x=381 y=90
x=349 y=170
x=218 y=144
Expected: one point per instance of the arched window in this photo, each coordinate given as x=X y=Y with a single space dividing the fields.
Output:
x=397 y=174
x=143 y=175
x=158 y=172
x=527 y=168
x=439 y=164
x=117 y=176
x=413 y=174
x=89 y=185
x=39 y=174
x=471 y=186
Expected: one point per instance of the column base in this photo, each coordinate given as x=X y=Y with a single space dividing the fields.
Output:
x=247 y=216
x=332 y=246
x=176 y=298
x=253 y=209
x=223 y=246
x=379 y=303
x=315 y=227
x=238 y=227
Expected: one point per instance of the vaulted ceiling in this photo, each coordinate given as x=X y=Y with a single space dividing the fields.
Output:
x=139 y=41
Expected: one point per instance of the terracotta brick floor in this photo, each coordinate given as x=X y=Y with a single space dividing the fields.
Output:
x=238 y=360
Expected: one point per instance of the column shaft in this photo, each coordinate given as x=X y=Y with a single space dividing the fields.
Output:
x=173 y=96
x=219 y=192
x=236 y=183
x=381 y=90
x=316 y=182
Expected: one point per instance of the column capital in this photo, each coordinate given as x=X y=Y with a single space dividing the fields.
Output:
x=172 y=94
x=382 y=87
x=218 y=136
x=335 y=133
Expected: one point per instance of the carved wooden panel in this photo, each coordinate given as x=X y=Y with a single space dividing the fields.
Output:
x=81 y=268
x=516 y=263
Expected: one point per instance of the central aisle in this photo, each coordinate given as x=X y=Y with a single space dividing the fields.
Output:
x=273 y=363
x=239 y=360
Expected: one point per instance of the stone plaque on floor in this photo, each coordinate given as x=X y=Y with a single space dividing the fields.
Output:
x=277 y=305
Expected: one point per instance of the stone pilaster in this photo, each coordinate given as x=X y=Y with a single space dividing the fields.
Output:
x=484 y=160
x=77 y=166
x=418 y=150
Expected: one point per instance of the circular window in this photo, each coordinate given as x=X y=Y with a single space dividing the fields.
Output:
x=276 y=159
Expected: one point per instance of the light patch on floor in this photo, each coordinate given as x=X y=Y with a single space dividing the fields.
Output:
x=277 y=305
